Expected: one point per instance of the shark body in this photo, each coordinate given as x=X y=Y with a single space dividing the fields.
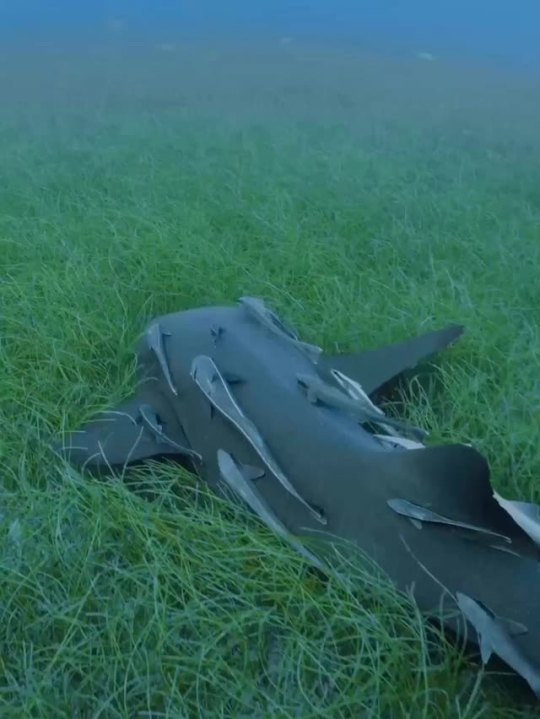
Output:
x=228 y=390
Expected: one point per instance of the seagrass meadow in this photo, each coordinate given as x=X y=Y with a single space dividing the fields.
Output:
x=367 y=199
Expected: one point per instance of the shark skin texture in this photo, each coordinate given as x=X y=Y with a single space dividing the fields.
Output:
x=228 y=393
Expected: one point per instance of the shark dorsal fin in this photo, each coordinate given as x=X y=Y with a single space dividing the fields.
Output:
x=375 y=368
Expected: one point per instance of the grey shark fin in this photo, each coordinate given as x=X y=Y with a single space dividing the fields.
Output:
x=116 y=438
x=376 y=368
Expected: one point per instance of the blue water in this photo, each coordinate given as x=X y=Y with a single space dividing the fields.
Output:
x=494 y=30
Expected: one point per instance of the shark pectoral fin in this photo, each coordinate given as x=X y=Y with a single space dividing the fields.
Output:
x=115 y=438
x=486 y=650
x=375 y=368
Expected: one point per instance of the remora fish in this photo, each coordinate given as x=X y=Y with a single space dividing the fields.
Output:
x=525 y=514
x=151 y=422
x=237 y=479
x=257 y=309
x=356 y=392
x=495 y=637
x=154 y=336
x=318 y=390
x=421 y=514
x=398 y=442
x=207 y=376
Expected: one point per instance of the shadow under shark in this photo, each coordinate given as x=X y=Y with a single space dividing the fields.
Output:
x=234 y=395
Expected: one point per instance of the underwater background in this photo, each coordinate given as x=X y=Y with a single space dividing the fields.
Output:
x=499 y=30
x=372 y=169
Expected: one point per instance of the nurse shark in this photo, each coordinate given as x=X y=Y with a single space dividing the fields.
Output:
x=235 y=396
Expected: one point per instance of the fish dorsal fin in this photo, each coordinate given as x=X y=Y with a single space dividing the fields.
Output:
x=375 y=368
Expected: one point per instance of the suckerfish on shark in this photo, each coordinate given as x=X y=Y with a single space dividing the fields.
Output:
x=207 y=376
